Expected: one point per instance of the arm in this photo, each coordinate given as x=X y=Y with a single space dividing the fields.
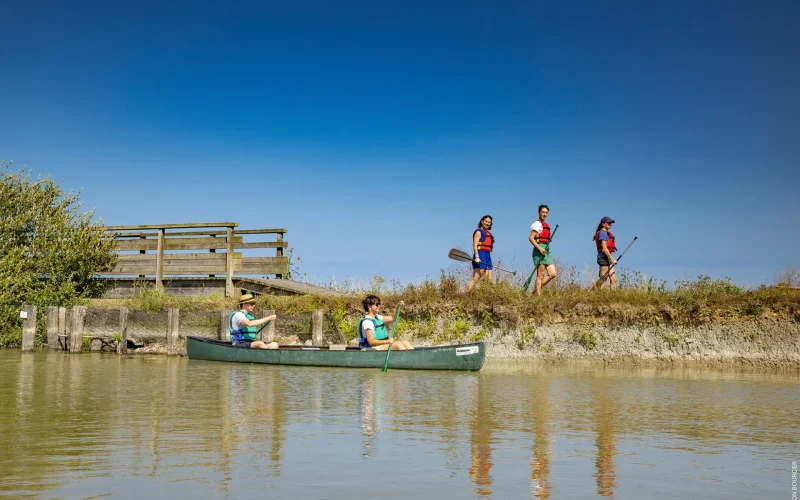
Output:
x=611 y=258
x=476 y=238
x=370 y=333
x=259 y=322
x=535 y=243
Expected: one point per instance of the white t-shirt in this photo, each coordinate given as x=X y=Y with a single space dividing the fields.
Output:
x=537 y=226
x=236 y=322
x=368 y=324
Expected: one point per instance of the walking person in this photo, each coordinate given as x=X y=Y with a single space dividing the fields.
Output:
x=482 y=244
x=542 y=259
x=606 y=246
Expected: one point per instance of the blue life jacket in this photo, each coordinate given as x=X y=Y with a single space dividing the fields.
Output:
x=380 y=332
x=245 y=333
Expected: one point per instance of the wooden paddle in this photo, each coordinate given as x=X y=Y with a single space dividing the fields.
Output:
x=391 y=338
x=602 y=280
x=528 y=281
x=457 y=254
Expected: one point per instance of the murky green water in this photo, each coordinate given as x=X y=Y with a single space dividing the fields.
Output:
x=155 y=427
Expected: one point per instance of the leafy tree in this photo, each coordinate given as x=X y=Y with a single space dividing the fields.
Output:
x=50 y=252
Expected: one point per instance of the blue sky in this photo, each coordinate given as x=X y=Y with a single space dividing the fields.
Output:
x=379 y=133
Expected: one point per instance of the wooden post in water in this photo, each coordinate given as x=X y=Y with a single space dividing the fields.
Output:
x=122 y=345
x=268 y=333
x=173 y=326
x=224 y=332
x=229 y=264
x=317 y=324
x=65 y=323
x=52 y=327
x=28 y=327
x=160 y=260
x=77 y=319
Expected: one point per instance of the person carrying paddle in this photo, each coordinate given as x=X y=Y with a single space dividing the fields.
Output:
x=482 y=244
x=372 y=333
x=243 y=325
x=542 y=259
x=605 y=244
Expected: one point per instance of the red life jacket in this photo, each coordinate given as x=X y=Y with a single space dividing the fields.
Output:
x=544 y=236
x=486 y=242
x=612 y=247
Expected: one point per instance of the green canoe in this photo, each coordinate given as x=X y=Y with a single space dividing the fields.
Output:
x=451 y=357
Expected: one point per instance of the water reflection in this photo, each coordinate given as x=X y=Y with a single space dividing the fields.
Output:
x=80 y=426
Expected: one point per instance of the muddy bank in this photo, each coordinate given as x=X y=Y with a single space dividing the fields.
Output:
x=763 y=343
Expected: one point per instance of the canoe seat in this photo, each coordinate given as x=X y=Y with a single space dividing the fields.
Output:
x=337 y=347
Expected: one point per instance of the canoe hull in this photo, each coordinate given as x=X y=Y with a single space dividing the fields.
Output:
x=469 y=357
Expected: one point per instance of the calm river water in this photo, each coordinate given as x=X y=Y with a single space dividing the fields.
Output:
x=99 y=425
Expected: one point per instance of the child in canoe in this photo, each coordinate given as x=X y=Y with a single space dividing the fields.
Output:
x=372 y=333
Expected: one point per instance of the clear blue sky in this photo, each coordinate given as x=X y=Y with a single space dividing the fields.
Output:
x=379 y=133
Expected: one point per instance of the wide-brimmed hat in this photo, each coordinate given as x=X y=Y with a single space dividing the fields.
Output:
x=246 y=298
x=607 y=219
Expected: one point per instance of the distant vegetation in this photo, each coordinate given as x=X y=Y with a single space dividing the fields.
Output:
x=50 y=252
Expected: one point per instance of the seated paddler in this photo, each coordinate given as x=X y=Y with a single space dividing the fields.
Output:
x=244 y=327
x=372 y=332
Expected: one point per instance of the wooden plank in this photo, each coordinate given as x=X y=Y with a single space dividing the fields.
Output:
x=52 y=327
x=188 y=225
x=160 y=260
x=279 y=253
x=173 y=327
x=201 y=233
x=280 y=245
x=265 y=265
x=122 y=346
x=317 y=324
x=77 y=319
x=183 y=244
x=229 y=264
x=28 y=327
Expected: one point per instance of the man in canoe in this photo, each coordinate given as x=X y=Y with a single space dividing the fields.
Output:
x=542 y=259
x=244 y=326
x=372 y=333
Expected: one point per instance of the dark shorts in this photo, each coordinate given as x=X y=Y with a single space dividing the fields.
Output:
x=486 y=260
x=602 y=260
x=244 y=344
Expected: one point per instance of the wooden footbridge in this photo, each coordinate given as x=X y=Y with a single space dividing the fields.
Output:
x=204 y=258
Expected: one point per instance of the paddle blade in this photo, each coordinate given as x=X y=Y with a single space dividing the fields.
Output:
x=457 y=254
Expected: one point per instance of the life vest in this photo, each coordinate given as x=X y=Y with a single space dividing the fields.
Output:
x=380 y=332
x=245 y=333
x=544 y=236
x=612 y=247
x=486 y=242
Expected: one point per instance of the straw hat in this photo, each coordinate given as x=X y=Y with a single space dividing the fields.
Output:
x=248 y=297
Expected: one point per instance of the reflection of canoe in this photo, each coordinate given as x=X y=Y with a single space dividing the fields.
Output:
x=449 y=357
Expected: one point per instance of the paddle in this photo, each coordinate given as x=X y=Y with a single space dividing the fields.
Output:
x=528 y=281
x=602 y=280
x=391 y=338
x=457 y=254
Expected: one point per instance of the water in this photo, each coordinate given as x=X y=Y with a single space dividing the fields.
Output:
x=98 y=425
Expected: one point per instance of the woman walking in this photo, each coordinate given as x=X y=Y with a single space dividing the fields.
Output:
x=482 y=244
x=605 y=244
x=542 y=260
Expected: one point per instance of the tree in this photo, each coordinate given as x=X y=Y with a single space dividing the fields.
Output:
x=50 y=252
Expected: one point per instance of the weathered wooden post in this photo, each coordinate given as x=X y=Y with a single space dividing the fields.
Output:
x=317 y=324
x=268 y=333
x=173 y=326
x=28 y=327
x=224 y=332
x=65 y=319
x=122 y=345
x=279 y=252
x=52 y=327
x=77 y=319
x=229 y=263
x=160 y=260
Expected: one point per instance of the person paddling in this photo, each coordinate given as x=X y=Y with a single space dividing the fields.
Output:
x=605 y=245
x=542 y=259
x=482 y=244
x=372 y=332
x=243 y=325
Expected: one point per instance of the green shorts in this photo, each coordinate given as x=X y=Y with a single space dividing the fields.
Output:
x=539 y=259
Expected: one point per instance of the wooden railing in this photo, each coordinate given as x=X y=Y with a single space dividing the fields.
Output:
x=209 y=236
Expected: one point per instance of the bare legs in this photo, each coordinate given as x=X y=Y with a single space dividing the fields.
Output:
x=478 y=274
x=612 y=277
x=397 y=345
x=257 y=344
x=544 y=275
